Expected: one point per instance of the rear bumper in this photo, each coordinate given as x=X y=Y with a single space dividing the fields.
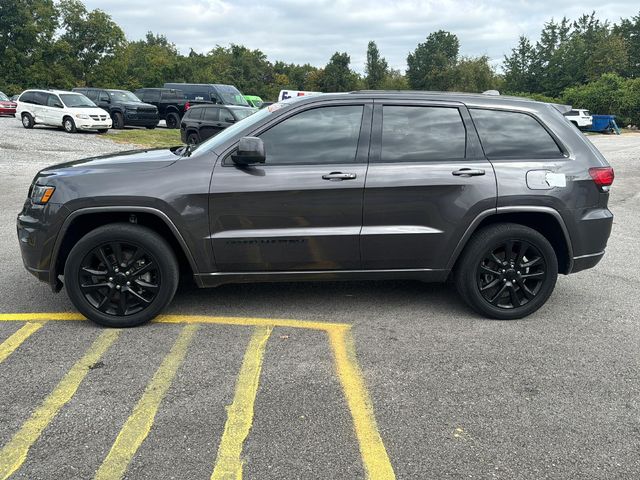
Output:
x=589 y=235
x=585 y=262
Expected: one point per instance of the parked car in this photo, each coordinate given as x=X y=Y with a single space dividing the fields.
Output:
x=14 y=98
x=204 y=121
x=58 y=108
x=580 y=118
x=169 y=101
x=207 y=92
x=7 y=106
x=124 y=107
x=363 y=185
x=253 y=101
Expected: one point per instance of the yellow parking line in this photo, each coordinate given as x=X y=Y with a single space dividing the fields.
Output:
x=201 y=319
x=139 y=424
x=374 y=455
x=14 y=453
x=14 y=341
x=229 y=463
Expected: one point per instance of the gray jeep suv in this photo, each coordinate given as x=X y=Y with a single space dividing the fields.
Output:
x=500 y=193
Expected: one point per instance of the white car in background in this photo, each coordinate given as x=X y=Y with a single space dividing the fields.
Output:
x=57 y=108
x=580 y=118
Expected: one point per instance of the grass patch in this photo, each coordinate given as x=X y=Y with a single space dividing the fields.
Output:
x=159 y=137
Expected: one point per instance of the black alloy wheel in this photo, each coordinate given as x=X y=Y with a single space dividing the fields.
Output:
x=511 y=274
x=506 y=271
x=119 y=278
x=172 y=120
x=121 y=274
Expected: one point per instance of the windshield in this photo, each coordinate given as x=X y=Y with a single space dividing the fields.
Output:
x=123 y=96
x=3 y=97
x=76 y=100
x=234 y=129
x=241 y=113
x=231 y=96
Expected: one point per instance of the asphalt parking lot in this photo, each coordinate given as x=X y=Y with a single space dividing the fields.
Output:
x=320 y=380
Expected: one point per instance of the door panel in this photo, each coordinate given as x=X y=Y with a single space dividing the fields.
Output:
x=418 y=204
x=285 y=216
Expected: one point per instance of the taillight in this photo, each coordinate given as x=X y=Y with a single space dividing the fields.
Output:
x=187 y=106
x=602 y=176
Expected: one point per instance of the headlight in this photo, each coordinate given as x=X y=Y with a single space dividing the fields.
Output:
x=41 y=194
x=83 y=116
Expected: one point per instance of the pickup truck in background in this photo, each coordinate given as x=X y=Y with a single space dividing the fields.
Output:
x=170 y=102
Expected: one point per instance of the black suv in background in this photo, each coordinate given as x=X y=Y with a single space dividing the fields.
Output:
x=169 y=102
x=211 y=92
x=500 y=193
x=124 y=107
x=204 y=121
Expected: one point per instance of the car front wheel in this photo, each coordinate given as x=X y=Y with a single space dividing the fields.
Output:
x=69 y=125
x=121 y=275
x=507 y=271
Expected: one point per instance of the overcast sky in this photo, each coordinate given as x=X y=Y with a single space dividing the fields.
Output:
x=311 y=31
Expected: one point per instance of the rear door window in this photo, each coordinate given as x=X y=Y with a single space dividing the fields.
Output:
x=40 y=98
x=422 y=134
x=513 y=135
x=211 y=114
x=151 y=96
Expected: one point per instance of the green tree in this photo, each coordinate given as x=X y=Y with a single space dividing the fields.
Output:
x=518 y=67
x=430 y=65
x=27 y=29
x=376 y=68
x=394 y=80
x=337 y=76
x=89 y=37
x=474 y=75
x=629 y=30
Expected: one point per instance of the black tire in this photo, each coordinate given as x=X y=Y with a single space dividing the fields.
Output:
x=91 y=275
x=103 y=130
x=193 y=139
x=173 y=120
x=118 y=121
x=151 y=127
x=69 y=125
x=27 y=121
x=507 y=286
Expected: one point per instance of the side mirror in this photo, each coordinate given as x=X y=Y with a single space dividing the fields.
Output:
x=250 y=152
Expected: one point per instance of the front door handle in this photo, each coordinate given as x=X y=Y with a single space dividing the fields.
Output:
x=338 y=176
x=468 y=172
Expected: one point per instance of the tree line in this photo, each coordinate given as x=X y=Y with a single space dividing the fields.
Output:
x=588 y=62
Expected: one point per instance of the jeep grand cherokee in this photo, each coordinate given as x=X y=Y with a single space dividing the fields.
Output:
x=500 y=193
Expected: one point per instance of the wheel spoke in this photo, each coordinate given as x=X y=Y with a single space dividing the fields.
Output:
x=105 y=300
x=122 y=303
x=508 y=250
x=515 y=301
x=146 y=285
x=117 y=253
x=97 y=273
x=144 y=269
x=137 y=255
x=488 y=270
x=496 y=259
x=534 y=276
x=490 y=285
x=137 y=295
x=94 y=286
x=521 y=252
x=104 y=259
x=496 y=297
x=531 y=263
x=525 y=290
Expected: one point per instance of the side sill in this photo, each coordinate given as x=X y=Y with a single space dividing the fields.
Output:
x=220 y=278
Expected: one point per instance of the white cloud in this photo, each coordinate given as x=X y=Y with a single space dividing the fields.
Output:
x=310 y=32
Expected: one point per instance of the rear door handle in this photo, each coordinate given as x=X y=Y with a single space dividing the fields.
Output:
x=338 y=176
x=468 y=172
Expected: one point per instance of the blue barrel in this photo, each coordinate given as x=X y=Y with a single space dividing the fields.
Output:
x=603 y=123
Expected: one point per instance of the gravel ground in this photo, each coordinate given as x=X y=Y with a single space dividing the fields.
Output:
x=556 y=395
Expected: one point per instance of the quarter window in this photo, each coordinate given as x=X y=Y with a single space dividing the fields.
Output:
x=322 y=135
x=513 y=135
x=422 y=134
x=211 y=114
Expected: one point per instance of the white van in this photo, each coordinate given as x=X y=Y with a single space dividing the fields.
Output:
x=70 y=110
x=286 y=94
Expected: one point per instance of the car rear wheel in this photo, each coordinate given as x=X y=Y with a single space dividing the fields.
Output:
x=27 y=121
x=507 y=271
x=118 y=120
x=193 y=139
x=121 y=275
x=151 y=127
x=69 y=125
x=173 y=120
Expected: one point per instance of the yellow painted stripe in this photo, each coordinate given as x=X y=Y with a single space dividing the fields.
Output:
x=14 y=341
x=229 y=463
x=374 y=455
x=14 y=453
x=139 y=423
x=188 y=319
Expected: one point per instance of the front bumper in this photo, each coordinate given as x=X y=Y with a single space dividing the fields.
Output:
x=37 y=228
x=93 y=125
x=141 y=119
